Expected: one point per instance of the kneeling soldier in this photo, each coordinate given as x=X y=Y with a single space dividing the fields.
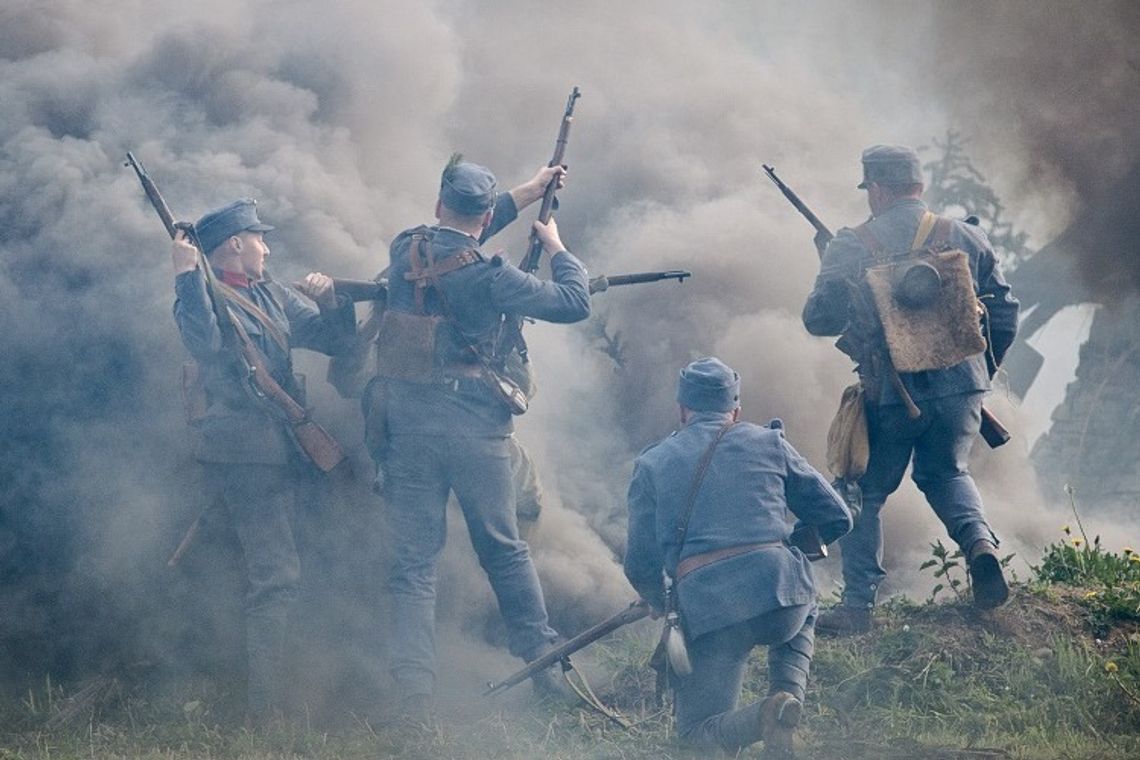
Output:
x=707 y=509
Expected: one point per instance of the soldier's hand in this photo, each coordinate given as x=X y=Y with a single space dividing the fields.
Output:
x=550 y=173
x=318 y=287
x=183 y=254
x=548 y=234
x=533 y=189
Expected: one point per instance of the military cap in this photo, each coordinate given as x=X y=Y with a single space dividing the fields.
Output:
x=890 y=165
x=216 y=226
x=709 y=385
x=467 y=188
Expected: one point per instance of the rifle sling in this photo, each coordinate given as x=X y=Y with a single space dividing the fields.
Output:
x=258 y=314
x=428 y=276
x=702 y=468
x=272 y=389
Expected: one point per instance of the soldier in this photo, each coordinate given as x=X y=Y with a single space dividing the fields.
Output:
x=449 y=412
x=930 y=416
x=708 y=507
x=251 y=461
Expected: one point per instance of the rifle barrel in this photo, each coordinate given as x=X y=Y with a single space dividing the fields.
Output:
x=634 y=612
x=153 y=194
x=639 y=277
x=795 y=201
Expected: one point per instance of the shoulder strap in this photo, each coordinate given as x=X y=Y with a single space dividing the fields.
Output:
x=702 y=468
x=925 y=226
x=426 y=271
x=258 y=314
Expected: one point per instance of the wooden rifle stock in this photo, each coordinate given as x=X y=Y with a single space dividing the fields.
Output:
x=634 y=612
x=993 y=432
x=320 y=447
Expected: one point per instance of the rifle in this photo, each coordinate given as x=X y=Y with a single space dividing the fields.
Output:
x=823 y=235
x=604 y=282
x=511 y=334
x=377 y=290
x=361 y=290
x=631 y=614
x=993 y=432
x=320 y=447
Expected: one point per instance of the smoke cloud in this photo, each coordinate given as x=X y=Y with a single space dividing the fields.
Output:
x=338 y=121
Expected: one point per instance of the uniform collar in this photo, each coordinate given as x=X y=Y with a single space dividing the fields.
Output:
x=452 y=230
x=233 y=279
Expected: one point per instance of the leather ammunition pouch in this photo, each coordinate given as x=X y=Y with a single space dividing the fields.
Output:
x=405 y=346
x=416 y=334
x=925 y=300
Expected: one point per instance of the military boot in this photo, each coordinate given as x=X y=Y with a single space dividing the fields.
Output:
x=779 y=716
x=844 y=620
x=990 y=589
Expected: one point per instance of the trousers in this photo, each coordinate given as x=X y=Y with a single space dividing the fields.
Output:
x=707 y=699
x=939 y=443
x=422 y=470
x=259 y=500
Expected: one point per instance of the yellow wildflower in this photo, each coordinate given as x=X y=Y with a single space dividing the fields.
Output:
x=1066 y=529
x=1090 y=594
x=1110 y=667
x=1077 y=542
x=1134 y=558
x=1127 y=550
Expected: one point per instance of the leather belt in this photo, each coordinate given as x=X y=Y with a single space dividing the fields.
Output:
x=697 y=561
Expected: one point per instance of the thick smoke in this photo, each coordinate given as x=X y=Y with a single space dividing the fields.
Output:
x=339 y=119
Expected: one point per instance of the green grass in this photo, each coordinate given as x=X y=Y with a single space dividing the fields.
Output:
x=1055 y=674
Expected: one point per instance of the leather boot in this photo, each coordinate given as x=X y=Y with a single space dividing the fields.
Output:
x=990 y=589
x=844 y=620
x=779 y=716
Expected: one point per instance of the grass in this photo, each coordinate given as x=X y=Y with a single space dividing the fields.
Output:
x=1053 y=674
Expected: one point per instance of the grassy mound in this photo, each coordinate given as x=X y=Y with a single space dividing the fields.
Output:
x=1055 y=673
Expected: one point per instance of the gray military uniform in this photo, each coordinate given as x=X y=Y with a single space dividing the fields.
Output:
x=252 y=463
x=451 y=434
x=765 y=595
x=939 y=441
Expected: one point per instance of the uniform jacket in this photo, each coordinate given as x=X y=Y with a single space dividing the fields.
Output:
x=828 y=306
x=236 y=428
x=477 y=297
x=754 y=478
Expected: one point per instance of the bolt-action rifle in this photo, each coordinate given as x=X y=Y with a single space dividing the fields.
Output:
x=320 y=447
x=510 y=335
x=605 y=282
x=992 y=430
x=377 y=290
x=561 y=654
